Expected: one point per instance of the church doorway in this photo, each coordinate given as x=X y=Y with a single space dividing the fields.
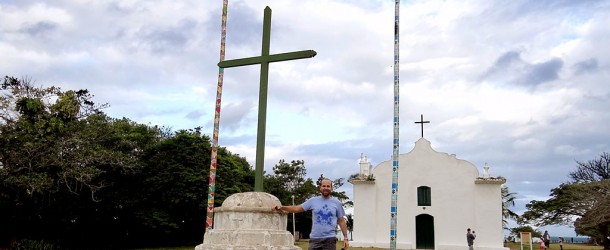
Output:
x=424 y=231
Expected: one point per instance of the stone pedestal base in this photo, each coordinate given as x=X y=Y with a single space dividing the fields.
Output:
x=245 y=221
x=248 y=240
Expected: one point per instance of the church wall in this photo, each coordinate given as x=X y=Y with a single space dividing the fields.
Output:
x=383 y=188
x=452 y=193
x=443 y=177
x=489 y=218
x=365 y=197
x=454 y=205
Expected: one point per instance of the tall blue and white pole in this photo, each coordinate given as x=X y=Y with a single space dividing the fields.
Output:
x=394 y=208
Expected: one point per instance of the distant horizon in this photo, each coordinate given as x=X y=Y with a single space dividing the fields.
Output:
x=561 y=230
x=555 y=239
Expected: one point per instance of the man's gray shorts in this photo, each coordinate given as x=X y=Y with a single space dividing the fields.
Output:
x=323 y=244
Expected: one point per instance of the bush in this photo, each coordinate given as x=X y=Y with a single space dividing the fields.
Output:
x=27 y=244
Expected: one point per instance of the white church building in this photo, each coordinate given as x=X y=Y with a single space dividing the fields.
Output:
x=439 y=197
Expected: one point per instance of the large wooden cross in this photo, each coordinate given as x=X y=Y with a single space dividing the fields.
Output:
x=421 y=121
x=264 y=59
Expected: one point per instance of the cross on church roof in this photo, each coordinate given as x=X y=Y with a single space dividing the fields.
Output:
x=264 y=59
x=422 y=125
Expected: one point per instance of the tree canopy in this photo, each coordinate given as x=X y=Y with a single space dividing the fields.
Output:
x=515 y=231
x=73 y=176
x=583 y=203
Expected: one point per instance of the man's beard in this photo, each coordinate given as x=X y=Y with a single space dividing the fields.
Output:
x=326 y=193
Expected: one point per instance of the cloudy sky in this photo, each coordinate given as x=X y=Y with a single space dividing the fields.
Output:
x=522 y=85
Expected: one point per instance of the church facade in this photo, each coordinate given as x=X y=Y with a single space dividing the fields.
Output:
x=439 y=197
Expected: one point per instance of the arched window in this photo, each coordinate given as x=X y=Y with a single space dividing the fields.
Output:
x=423 y=196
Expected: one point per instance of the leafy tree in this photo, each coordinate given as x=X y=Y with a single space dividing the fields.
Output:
x=63 y=161
x=582 y=203
x=593 y=179
x=39 y=135
x=288 y=180
x=292 y=175
x=508 y=200
x=17 y=96
x=171 y=189
x=593 y=170
x=115 y=147
x=71 y=175
x=350 y=225
x=596 y=220
x=170 y=205
x=234 y=175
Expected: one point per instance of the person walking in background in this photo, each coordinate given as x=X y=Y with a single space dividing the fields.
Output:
x=547 y=239
x=560 y=243
x=327 y=212
x=470 y=239
x=542 y=245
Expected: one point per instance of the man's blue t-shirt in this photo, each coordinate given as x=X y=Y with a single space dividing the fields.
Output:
x=325 y=214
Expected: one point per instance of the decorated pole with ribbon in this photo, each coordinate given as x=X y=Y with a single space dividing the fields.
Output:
x=209 y=223
x=395 y=155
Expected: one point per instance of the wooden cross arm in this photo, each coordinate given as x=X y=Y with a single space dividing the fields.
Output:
x=270 y=58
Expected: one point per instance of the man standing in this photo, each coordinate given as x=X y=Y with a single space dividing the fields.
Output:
x=547 y=239
x=327 y=212
x=470 y=239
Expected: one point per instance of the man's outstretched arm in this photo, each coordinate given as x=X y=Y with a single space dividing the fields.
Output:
x=290 y=209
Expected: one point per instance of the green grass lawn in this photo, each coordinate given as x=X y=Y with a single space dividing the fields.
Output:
x=554 y=246
x=301 y=244
x=304 y=245
x=512 y=246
